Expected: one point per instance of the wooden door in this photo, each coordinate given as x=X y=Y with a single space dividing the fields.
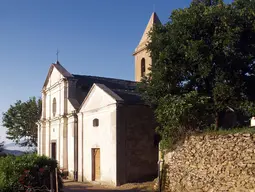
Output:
x=53 y=150
x=95 y=164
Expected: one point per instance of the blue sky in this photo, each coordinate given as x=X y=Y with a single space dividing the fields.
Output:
x=94 y=37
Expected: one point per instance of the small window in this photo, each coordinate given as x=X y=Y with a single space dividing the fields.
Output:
x=142 y=67
x=95 y=123
x=54 y=107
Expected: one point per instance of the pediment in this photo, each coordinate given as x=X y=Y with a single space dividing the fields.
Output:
x=98 y=97
x=55 y=73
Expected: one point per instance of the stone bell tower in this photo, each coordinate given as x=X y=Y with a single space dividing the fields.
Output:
x=142 y=56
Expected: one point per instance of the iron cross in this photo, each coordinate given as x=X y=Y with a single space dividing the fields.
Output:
x=57 y=54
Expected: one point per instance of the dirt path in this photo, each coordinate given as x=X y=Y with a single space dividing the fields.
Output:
x=89 y=187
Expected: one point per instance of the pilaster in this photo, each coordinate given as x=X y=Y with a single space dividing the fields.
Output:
x=80 y=147
x=63 y=143
x=47 y=139
x=39 y=133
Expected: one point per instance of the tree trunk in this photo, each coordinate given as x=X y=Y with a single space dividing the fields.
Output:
x=216 y=120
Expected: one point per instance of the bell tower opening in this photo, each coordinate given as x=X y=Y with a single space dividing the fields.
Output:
x=143 y=69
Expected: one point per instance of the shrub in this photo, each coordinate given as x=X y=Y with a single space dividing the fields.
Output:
x=26 y=172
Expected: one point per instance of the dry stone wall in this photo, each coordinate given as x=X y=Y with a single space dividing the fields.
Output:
x=212 y=163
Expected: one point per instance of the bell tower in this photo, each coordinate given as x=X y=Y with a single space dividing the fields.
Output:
x=142 y=56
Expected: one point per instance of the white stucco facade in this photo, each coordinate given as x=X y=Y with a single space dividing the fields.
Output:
x=98 y=105
x=53 y=126
x=67 y=126
x=59 y=128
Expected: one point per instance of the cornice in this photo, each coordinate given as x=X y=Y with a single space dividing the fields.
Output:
x=45 y=90
x=139 y=50
x=72 y=114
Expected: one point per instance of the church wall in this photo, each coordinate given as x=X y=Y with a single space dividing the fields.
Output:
x=54 y=78
x=55 y=89
x=80 y=147
x=97 y=99
x=70 y=93
x=43 y=105
x=53 y=136
x=47 y=105
x=141 y=49
x=99 y=106
x=55 y=128
x=47 y=139
x=103 y=137
x=39 y=143
x=139 y=152
x=42 y=139
x=70 y=146
x=138 y=57
x=70 y=107
x=53 y=93
x=63 y=143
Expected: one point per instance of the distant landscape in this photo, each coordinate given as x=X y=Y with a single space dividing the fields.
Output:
x=14 y=149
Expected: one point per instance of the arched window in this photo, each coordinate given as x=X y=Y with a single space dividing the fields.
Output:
x=142 y=67
x=54 y=107
x=95 y=122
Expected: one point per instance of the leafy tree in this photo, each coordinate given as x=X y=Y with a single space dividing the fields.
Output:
x=208 y=2
x=20 y=120
x=203 y=64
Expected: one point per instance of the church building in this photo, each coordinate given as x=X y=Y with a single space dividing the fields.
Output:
x=97 y=128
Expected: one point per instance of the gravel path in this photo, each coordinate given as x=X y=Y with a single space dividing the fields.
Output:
x=71 y=186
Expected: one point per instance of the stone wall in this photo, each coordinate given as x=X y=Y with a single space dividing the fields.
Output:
x=212 y=163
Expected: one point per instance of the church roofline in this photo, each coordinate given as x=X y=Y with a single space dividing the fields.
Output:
x=154 y=19
x=138 y=50
x=105 y=89
x=60 y=69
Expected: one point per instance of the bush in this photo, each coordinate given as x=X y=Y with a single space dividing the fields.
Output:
x=23 y=173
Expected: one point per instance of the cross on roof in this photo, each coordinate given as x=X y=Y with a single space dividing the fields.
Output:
x=57 y=54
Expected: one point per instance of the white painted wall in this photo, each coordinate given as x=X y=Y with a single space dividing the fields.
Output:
x=54 y=130
x=54 y=78
x=43 y=139
x=57 y=126
x=54 y=89
x=80 y=147
x=70 y=138
x=39 y=145
x=56 y=93
x=101 y=106
x=47 y=139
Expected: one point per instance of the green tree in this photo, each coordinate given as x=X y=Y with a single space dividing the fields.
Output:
x=20 y=120
x=208 y=2
x=203 y=64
